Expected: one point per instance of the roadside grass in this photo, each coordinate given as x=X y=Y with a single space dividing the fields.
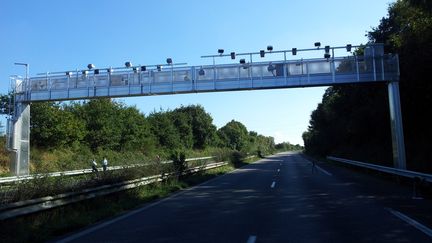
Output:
x=40 y=227
x=64 y=159
x=250 y=160
x=48 y=186
x=46 y=225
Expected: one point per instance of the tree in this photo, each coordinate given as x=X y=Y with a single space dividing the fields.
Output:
x=234 y=135
x=164 y=130
x=260 y=144
x=53 y=126
x=353 y=121
x=135 y=131
x=182 y=123
x=201 y=123
x=407 y=30
x=103 y=123
x=5 y=104
x=286 y=146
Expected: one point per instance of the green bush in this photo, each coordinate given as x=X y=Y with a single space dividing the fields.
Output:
x=4 y=156
x=179 y=162
x=221 y=154
x=69 y=136
x=236 y=159
x=260 y=154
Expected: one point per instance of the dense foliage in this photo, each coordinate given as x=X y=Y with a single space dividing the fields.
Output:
x=354 y=121
x=286 y=146
x=64 y=133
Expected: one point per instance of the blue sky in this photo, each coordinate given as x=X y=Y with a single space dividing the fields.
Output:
x=61 y=35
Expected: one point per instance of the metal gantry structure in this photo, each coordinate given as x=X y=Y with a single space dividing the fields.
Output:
x=167 y=79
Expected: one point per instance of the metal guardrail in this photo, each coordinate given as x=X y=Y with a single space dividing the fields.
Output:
x=84 y=171
x=394 y=171
x=16 y=209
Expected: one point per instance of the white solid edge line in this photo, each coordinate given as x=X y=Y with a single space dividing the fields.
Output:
x=273 y=184
x=412 y=222
x=106 y=223
x=251 y=239
x=323 y=171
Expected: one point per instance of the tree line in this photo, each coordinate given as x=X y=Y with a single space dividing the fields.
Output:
x=105 y=124
x=353 y=121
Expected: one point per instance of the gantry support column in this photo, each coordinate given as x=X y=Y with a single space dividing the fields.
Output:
x=399 y=159
x=20 y=140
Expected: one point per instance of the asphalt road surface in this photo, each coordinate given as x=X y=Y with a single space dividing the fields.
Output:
x=282 y=198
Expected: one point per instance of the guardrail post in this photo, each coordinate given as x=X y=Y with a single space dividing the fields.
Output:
x=399 y=159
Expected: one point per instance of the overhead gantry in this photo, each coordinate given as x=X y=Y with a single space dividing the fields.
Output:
x=167 y=79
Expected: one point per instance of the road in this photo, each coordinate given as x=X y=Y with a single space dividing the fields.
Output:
x=282 y=198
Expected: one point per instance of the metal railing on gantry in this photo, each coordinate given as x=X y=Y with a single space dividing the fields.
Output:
x=373 y=66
